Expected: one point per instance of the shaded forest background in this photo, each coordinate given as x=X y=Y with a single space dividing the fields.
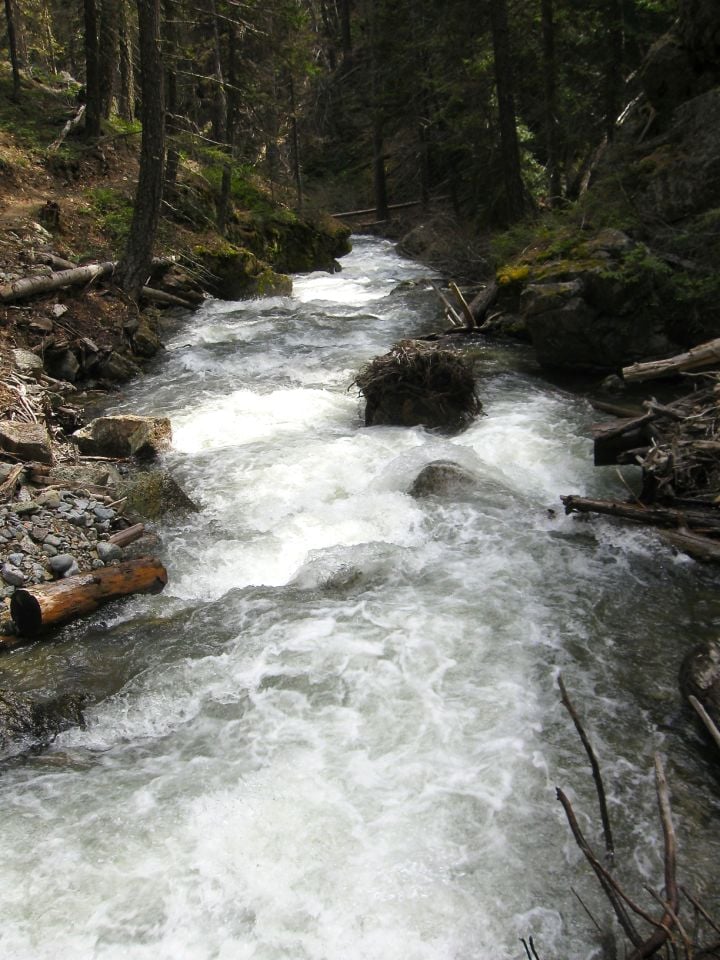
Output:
x=351 y=103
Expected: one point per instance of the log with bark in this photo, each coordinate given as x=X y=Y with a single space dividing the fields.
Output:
x=36 y=609
x=697 y=519
x=32 y=286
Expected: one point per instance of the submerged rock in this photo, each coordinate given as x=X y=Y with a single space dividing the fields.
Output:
x=442 y=478
x=25 y=717
x=153 y=494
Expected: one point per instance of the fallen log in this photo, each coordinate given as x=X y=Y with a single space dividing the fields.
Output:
x=124 y=538
x=464 y=307
x=703 y=549
x=161 y=296
x=32 y=286
x=697 y=519
x=72 y=123
x=35 y=609
x=704 y=355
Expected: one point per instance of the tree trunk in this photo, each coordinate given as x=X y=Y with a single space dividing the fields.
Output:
x=551 y=120
x=108 y=50
x=126 y=94
x=134 y=268
x=379 y=179
x=172 y=161
x=614 y=67
x=92 y=70
x=345 y=30
x=12 y=44
x=700 y=31
x=510 y=148
x=36 y=609
x=225 y=201
x=297 y=168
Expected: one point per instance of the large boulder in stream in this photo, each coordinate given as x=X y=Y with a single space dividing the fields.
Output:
x=419 y=384
x=443 y=478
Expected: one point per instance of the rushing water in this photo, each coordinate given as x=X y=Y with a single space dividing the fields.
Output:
x=336 y=734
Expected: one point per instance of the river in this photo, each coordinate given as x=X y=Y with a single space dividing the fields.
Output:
x=337 y=733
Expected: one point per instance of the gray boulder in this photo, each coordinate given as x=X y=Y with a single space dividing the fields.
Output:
x=27 y=441
x=25 y=717
x=443 y=478
x=125 y=435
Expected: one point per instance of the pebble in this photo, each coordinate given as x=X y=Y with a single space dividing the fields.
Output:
x=52 y=541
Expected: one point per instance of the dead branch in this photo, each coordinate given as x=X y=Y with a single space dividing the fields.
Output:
x=595 y=766
x=706 y=719
x=703 y=355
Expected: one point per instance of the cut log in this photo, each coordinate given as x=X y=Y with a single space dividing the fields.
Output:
x=54 y=261
x=695 y=518
x=33 y=286
x=35 y=609
x=124 y=538
x=704 y=355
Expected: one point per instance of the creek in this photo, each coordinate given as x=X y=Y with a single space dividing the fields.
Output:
x=337 y=733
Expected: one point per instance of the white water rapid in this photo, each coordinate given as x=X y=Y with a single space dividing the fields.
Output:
x=336 y=735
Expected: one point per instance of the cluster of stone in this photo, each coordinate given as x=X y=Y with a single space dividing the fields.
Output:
x=55 y=534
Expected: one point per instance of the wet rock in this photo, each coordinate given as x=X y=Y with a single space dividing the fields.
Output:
x=443 y=478
x=153 y=494
x=700 y=676
x=26 y=717
x=145 y=340
x=118 y=368
x=124 y=436
x=27 y=441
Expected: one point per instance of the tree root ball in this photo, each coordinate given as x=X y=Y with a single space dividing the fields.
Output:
x=419 y=384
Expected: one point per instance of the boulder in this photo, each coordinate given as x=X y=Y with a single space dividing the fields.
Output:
x=63 y=364
x=145 y=341
x=27 y=441
x=125 y=435
x=443 y=478
x=153 y=494
x=26 y=717
x=118 y=368
x=28 y=363
x=700 y=676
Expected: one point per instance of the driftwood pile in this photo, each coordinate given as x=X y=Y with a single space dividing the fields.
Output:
x=677 y=445
x=417 y=383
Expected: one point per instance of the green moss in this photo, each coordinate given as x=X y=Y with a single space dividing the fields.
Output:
x=513 y=274
x=114 y=211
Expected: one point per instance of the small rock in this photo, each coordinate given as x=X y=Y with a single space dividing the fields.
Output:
x=49 y=550
x=28 y=363
x=52 y=541
x=59 y=310
x=97 y=564
x=63 y=565
x=39 y=534
x=12 y=576
x=50 y=498
x=104 y=513
x=108 y=552
x=16 y=558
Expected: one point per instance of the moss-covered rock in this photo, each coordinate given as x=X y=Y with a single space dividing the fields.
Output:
x=235 y=273
x=153 y=494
